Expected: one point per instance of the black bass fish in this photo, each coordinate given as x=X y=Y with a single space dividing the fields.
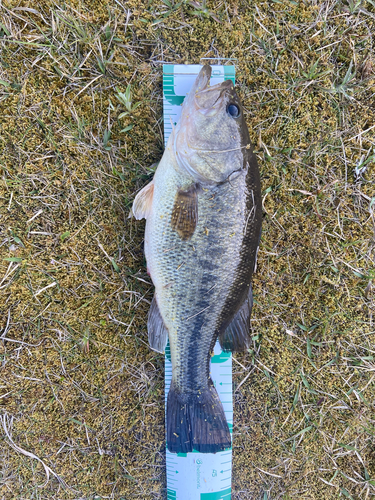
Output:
x=203 y=215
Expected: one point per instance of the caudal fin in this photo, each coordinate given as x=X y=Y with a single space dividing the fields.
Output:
x=196 y=421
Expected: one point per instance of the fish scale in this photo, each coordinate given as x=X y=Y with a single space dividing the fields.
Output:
x=208 y=261
x=203 y=211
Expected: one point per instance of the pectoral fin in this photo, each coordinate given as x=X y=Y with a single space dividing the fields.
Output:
x=157 y=332
x=236 y=337
x=185 y=212
x=143 y=202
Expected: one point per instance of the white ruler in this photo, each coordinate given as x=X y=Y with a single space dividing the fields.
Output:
x=197 y=476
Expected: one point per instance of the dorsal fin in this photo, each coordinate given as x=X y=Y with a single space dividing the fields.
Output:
x=236 y=337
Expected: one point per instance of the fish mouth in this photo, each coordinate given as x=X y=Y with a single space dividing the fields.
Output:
x=205 y=98
x=209 y=100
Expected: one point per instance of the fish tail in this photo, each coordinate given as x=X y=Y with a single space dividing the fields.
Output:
x=196 y=421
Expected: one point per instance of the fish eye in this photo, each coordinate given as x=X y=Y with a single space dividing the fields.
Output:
x=233 y=110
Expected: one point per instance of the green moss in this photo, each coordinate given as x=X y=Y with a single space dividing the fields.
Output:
x=85 y=391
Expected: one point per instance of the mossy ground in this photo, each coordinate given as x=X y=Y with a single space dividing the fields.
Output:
x=79 y=387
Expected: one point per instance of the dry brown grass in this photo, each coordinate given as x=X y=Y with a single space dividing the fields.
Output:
x=79 y=388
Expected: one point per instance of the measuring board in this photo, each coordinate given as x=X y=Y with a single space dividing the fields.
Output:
x=197 y=476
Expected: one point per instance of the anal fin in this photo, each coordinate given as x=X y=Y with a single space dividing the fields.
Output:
x=236 y=337
x=157 y=332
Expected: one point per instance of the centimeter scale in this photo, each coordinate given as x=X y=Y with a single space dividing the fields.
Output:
x=197 y=476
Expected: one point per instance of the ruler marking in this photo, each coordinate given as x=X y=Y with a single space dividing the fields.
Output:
x=172 y=87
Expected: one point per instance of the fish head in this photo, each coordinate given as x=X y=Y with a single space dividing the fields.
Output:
x=211 y=137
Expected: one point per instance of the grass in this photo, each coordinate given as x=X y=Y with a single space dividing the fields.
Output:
x=81 y=394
